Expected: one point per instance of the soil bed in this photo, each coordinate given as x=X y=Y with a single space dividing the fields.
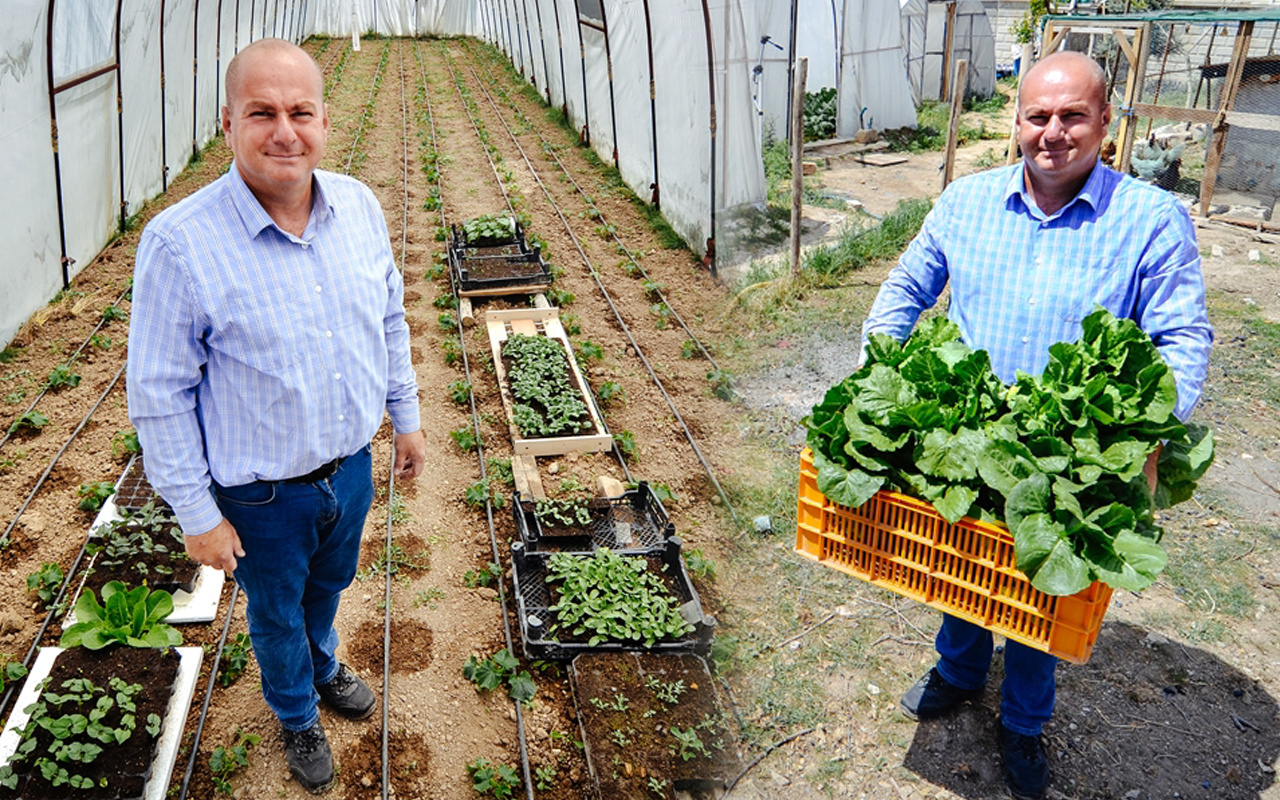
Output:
x=634 y=521
x=166 y=566
x=630 y=706
x=121 y=770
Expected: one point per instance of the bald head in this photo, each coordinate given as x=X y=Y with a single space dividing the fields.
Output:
x=1065 y=68
x=273 y=55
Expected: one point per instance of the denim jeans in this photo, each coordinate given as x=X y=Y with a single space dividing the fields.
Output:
x=302 y=545
x=1027 y=694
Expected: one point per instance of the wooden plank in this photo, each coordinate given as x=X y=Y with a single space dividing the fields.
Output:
x=503 y=291
x=799 y=77
x=880 y=159
x=608 y=486
x=1126 y=46
x=1213 y=159
x=948 y=51
x=524 y=320
x=1059 y=36
x=1132 y=94
x=465 y=311
x=953 y=127
x=528 y=482
x=1024 y=64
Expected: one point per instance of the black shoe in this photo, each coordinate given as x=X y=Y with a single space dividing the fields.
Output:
x=932 y=697
x=348 y=695
x=1026 y=768
x=310 y=759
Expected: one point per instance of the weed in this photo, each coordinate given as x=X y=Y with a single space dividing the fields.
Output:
x=10 y=353
x=235 y=660
x=45 y=582
x=428 y=597
x=93 y=495
x=395 y=559
x=699 y=564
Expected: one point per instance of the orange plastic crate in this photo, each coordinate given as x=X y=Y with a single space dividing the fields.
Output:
x=965 y=569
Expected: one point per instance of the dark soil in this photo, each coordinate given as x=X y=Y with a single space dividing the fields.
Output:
x=627 y=727
x=134 y=490
x=171 y=571
x=121 y=770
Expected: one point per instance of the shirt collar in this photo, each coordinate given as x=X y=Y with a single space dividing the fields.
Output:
x=1091 y=193
x=255 y=217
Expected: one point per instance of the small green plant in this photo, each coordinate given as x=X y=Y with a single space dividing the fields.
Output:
x=101 y=341
x=489 y=229
x=699 y=564
x=428 y=597
x=93 y=495
x=394 y=560
x=225 y=761
x=485 y=576
x=559 y=297
x=609 y=393
x=61 y=377
x=722 y=384
x=45 y=582
x=112 y=313
x=125 y=444
x=689 y=349
x=667 y=691
x=452 y=352
x=660 y=491
x=131 y=617
x=460 y=391
x=621 y=736
x=465 y=438
x=619 y=703
x=688 y=744
x=588 y=350
x=544 y=777
x=235 y=660
x=652 y=289
x=447 y=321
x=478 y=494
x=12 y=673
x=571 y=324
x=442 y=233
x=499 y=780
x=658 y=785
x=32 y=420
x=663 y=313
x=626 y=442
x=445 y=301
x=500 y=470
x=491 y=672
x=436 y=270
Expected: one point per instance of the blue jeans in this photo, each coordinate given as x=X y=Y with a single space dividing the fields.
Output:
x=302 y=545
x=1027 y=694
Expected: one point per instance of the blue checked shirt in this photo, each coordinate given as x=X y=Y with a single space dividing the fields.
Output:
x=1022 y=280
x=258 y=355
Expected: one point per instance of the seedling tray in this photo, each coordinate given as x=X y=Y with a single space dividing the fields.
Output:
x=534 y=601
x=966 y=569
x=626 y=716
x=636 y=521
x=156 y=776
x=543 y=322
x=133 y=490
x=496 y=268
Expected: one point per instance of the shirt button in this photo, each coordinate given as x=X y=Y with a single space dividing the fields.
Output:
x=1026 y=339
x=337 y=376
x=342 y=417
x=329 y=334
x=317 y=287
x=305 y=245
x=1031 y=301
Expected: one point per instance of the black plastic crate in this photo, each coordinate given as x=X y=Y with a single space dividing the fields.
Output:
x=534 y=601
x=133 y=490
x=635 y=521
x=495 y=265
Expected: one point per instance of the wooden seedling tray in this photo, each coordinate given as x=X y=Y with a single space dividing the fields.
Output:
x=542 y=322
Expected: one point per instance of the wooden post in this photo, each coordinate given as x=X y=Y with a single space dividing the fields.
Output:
x=949 y=39
x=1132 y=95
x=1024 y=64
x=953 y=129
x=797 y=154
x=1226 y=100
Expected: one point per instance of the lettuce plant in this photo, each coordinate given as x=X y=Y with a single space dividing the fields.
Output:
x=126 y=616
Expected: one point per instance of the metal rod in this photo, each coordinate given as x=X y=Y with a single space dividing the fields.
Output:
x=656 y=196
x=710 y=258
x=608 y=60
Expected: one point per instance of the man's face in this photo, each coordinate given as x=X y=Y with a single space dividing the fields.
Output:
x=1061 y=124
x=276 y=124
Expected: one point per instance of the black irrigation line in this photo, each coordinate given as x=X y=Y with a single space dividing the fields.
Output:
x=208 y=692
x=595 y=275
x=101 y=321
x=549 y=149
x=4 y=541
x=525 y=769
x=367 y=112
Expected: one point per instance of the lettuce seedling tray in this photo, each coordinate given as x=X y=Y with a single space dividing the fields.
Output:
x=156 y=776
x=635 y=521
x=534 y=599
x=543 y=322
x=496 y=267
x=133 y=490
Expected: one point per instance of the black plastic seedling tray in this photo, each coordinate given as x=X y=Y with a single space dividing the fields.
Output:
x=537 y=621
x=495 y=265
x=634 y=521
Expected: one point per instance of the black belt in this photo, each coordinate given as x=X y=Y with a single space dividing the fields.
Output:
x=320 y=473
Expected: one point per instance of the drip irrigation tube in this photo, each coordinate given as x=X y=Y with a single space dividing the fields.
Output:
x=525 y=769
x=368 y=105
x=595 y=275
x=9 y=434
x=208 y=693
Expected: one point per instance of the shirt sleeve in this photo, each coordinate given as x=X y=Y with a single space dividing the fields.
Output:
x=165 y=365
x=1171 y=305
x=402 y=382
x=914 y=285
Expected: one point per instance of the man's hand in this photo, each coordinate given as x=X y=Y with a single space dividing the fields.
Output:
x=217 y=547
x=411 y=454
x=1149 y=469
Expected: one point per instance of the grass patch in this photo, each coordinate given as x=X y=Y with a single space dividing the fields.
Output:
x=858 y=247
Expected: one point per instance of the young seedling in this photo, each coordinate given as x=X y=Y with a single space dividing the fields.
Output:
x=626 y=442
x=61 y=377
x=687 y=744
x=235 y=660
x=32 y=420
x=45 y=582
x=699 y=564
x=484 y=576
x=609 y=393
x=225 y=761
x=493 y=671
x=499 y=780
x=93 y=495
x=125 y=444
x=465 y=438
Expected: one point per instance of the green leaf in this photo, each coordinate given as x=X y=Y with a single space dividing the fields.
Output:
x=1045 y=554
x=955 y=503
x=849 y=488
x=1004 y=464
x=952 y=456
x=883 y=391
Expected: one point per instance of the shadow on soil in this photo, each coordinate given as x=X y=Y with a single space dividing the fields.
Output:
x=1145 y=718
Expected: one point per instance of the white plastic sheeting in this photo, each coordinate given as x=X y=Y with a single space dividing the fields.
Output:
x=924 y=33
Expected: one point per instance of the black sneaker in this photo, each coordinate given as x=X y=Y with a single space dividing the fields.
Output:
x=348 y=695
x=1026 y=768
x=932 y=697
x=310 y=759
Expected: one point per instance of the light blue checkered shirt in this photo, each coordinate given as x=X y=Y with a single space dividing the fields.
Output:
x=258 y=355
x=1022 y=281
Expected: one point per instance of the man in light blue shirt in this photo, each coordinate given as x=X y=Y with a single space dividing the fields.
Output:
x=267 y=339
x=1028 y=251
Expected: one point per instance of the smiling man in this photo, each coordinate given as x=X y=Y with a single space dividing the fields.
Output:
x=1028 y=251
x=266 y=341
